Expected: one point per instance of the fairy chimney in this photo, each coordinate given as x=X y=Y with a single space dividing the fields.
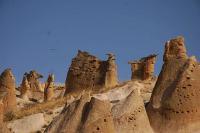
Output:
x=144 y=68
x=7 y=84
x=49 y=88
x=25 y=89
x=111 y=78
x=87 y=72
x=174 y=104
x=33 y=79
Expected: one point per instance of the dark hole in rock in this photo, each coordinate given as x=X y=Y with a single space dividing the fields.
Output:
x=98 y=128
x=105 y=120
x=184 y=87
x=189 y=85
x=191 y=70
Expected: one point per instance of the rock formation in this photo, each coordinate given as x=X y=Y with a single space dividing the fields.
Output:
x=3 y=128
x=36 y=89
x=49 y=88
x=144 y=68
x=130 y=115
x=7 y=84
x=87 y=72
x=84 y=116
x=174 y=104
x=25 y=89
x=70 y=118
x=33 y=79
x=99 y=118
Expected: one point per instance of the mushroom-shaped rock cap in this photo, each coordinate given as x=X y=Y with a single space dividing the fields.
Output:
x=175 y=48
x=111 y=56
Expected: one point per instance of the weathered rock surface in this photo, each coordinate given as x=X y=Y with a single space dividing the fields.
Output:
x=3 y=128
x=87 y=72
x=36 y=89
x=7 y=84
x=130 y=115
x=174 y=106
x=99 y=118
x=120 y=113
x=27 y=124
x=70 y=119
x=25 y=89
x=144 y=68
x=49 y=88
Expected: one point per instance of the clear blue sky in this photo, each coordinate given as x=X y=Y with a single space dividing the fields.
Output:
x=45 y=34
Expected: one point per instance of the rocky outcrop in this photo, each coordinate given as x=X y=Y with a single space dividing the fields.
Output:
x=144 y=68
x=99 y=115
x=28 y=124
x=36 y=89
x=70 y=119
x=87 y=72
x=174 y=104
x=98 y=118
x=33 y=79
x=3 y=128
x=49 y=88
x=25 y=89
x=7 y=84
x=130 y=115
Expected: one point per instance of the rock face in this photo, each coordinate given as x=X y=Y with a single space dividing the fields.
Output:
x=33 y=79
x=36 y=90
x=29 y=124
x=144 y=68
x=87 y=72
x=25 y=89
x=100 y=116
x=70 y=118
x=84 y=116
x=174 y=104
x=7 y=84
x=130 y=115
x=3 y=128
x=49 y=88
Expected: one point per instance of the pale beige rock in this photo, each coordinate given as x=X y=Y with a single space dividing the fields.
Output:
x=33 y=79
x=174 y=105
x=130 y=115
x=25 y=89
x=3 y=127
x=49 y=88
x=36 y=89
x=29 y=124
x=70 y=119
x=111 y=78
x=7 y=84
x=87 y=72
x=98 y=118
x=144 y=68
